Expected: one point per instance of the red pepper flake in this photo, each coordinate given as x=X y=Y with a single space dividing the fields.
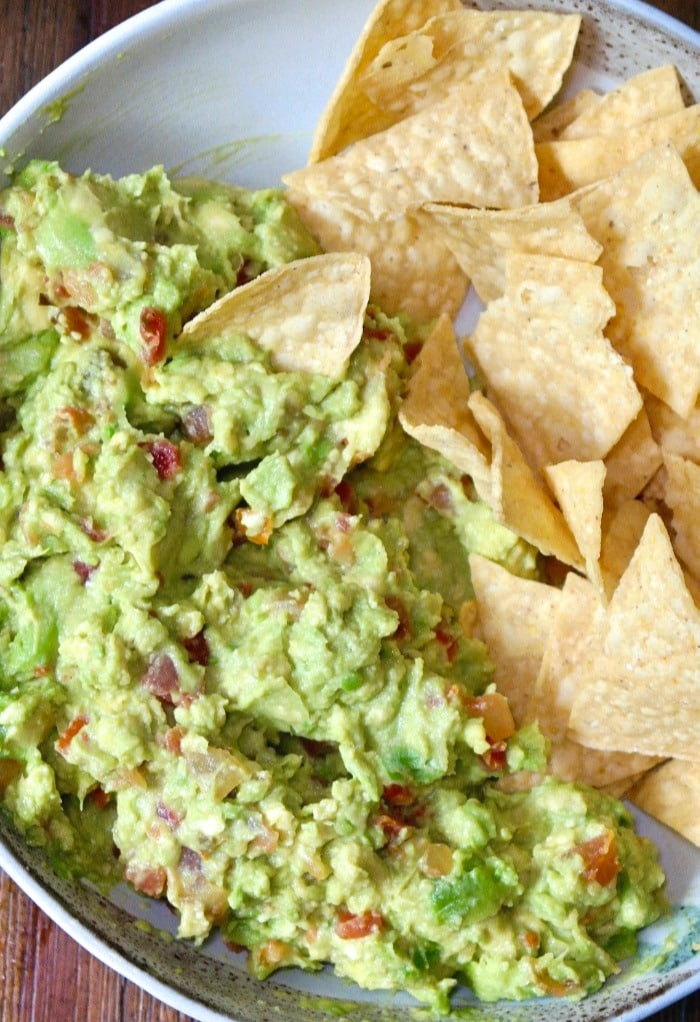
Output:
x=67 y=736
x=153 y=327
x=7 y=221
x=165 y=457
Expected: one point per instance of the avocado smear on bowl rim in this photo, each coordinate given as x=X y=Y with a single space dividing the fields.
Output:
x=290 y=734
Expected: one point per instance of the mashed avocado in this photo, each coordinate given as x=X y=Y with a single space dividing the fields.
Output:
x=236 y=625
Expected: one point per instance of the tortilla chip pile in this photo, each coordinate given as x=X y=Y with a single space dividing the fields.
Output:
x=447 y=158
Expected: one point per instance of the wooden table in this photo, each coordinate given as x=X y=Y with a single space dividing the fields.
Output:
x=44 y=975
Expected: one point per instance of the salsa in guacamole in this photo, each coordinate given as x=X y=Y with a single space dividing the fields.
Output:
x=237 y=660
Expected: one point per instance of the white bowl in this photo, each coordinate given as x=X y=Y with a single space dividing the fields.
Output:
x=232 y=89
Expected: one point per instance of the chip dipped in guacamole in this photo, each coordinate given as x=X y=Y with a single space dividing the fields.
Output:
x=238 y=662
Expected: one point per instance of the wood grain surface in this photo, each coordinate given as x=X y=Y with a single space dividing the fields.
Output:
x=44 y=975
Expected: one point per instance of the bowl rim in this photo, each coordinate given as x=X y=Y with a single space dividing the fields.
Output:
x=68 y=74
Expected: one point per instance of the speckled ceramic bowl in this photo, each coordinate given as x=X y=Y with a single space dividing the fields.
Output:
x=232 y=89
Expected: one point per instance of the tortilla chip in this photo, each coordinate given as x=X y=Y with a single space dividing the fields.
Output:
x=552 y=122
x=671 y=794
x=349 y=114
x=647 y=218
x=564 y=390
x=515 y=616
x=420 y=67
x=413 y=270
x=516 y=498
x=473 y=147
x=569 y=164
x=672 y=433
x=575 y=621
x=482 y=238
x=640 y=690
x=644 y=97
x=435 y=410
x=683 y=497
x=578 y=488
x=622 y=530
x=631 y=463
x=309 y=314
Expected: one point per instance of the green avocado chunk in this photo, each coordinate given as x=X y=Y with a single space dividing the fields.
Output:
x=235 y=639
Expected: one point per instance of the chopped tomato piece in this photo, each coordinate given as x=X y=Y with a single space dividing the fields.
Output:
x=398 y=795
x=391 y=825
x=196 y=425
x=75 y=322
x=99 y=797
x=166 y=457
x=600 y=862
x=171 y=741
x=349 y=926
x=80 y=419
x=161 y=678
x=495 y=758
x=147 y=879
x=82 y=570
x=153 y=327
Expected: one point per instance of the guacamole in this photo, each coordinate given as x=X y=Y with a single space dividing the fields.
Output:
x=238 y=667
